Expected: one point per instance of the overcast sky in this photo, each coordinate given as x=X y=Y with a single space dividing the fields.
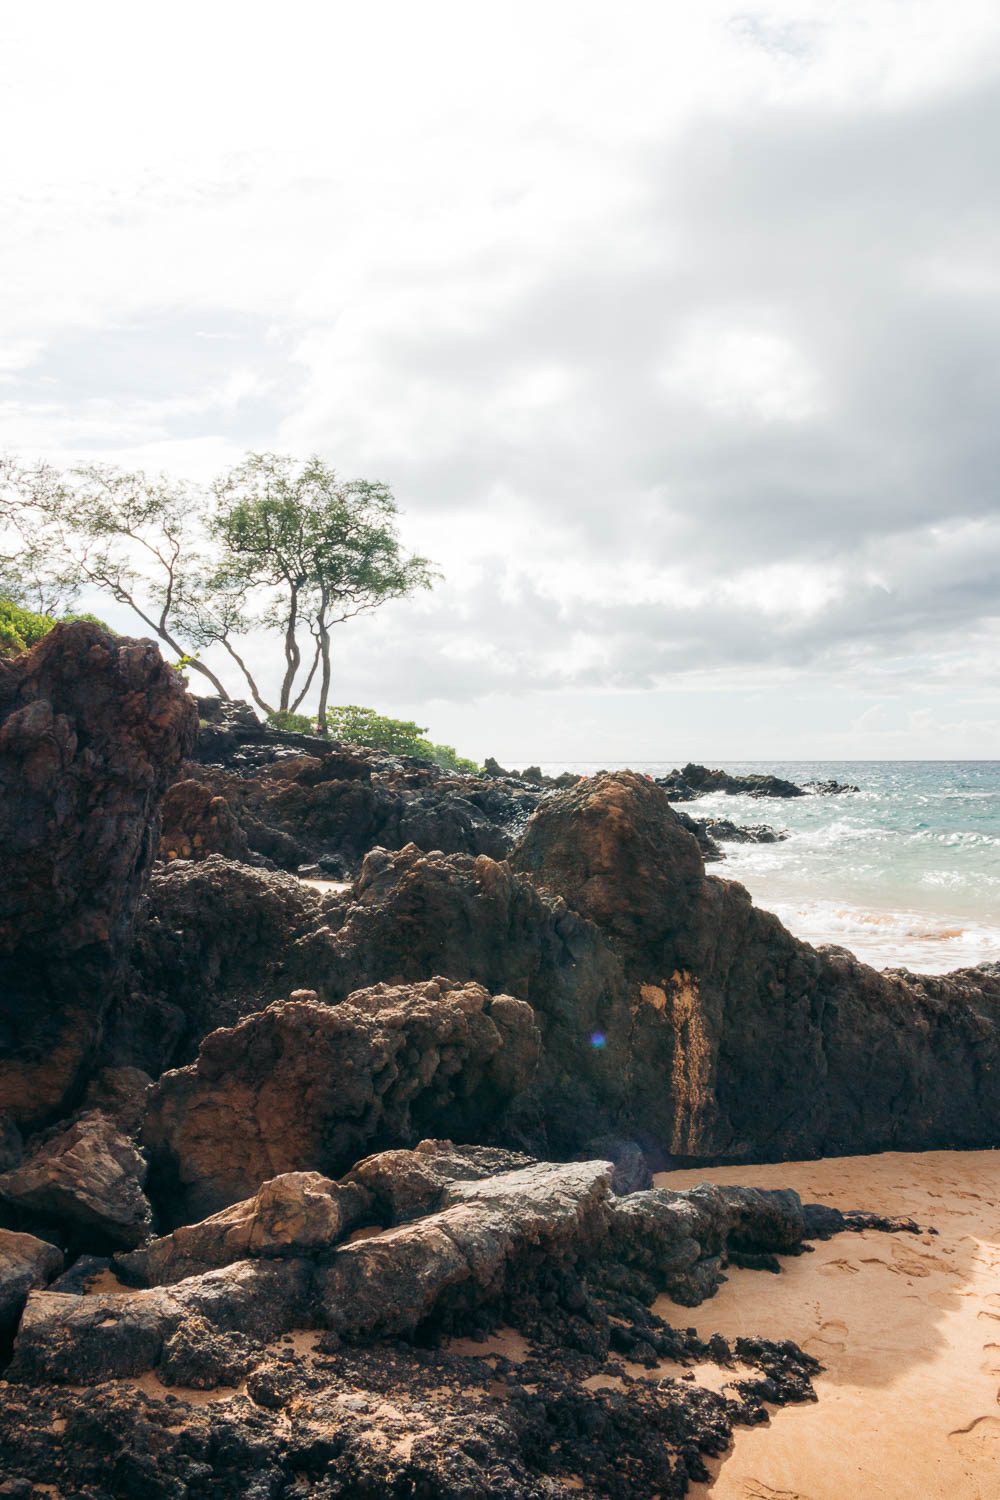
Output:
x=674 y=327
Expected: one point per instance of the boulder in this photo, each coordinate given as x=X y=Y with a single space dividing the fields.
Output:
x=294 y=1214
x=390 y=1284
x=25 y=1264
x=91 y=728
x=88 y=1179
x=617 y=852
x=306 y=1087
x=195 y=823
x=76 y=1340
x=406 y=1184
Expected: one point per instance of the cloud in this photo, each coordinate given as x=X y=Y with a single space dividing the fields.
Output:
x=675 y=338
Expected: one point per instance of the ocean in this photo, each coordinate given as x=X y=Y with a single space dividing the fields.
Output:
x=904 y=872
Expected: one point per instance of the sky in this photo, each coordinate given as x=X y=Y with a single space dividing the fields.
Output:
x=674 y=328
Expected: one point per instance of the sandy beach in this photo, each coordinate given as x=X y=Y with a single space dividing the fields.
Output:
x=908 y=1328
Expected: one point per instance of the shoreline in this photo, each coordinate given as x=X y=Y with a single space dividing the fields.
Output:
x=906 y=1326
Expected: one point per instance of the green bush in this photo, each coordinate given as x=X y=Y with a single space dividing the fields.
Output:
x=21 y=628
x=363 y=726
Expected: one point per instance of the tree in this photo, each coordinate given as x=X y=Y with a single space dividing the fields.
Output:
x=272 y=545
x=127 y=535
x=314 y=550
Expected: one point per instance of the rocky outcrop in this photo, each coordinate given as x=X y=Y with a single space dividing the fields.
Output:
x=195 y=823
x=293 y=1214
x=693 y=781
x=225 y=940
x=329 y=803
x=92 y=727
x=87 y=1179
x=487 y=1243
x=26 y=1263
x=725 y=832
x=746 y=1042
x=303 y=1086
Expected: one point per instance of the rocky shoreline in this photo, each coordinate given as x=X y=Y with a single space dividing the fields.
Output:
x=270 y=1158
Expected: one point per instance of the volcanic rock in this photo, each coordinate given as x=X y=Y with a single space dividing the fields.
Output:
x=303 y=1086
x=91 y=728
x=745 y=1042
x=294 y=1214
x=88 y=1179
x=696 y=781
x=25 y=1263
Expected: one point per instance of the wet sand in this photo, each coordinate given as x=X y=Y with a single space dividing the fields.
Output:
x=908 y=1328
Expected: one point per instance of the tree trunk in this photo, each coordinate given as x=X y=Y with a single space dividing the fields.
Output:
x=197 y=666
x=292 y=654
x=324 y=690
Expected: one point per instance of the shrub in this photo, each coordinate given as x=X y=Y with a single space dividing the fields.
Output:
x=363 y=726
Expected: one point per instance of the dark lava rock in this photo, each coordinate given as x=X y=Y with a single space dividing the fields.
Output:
x=25 y=1264
x=224 y=940
x=303 y=1086
x=293 y=1214
x=696 y=781
x=328 y=802
x=771 y=1048
x=88 y=1178
x=196 y=823
x=829 y=788
x=735 y=833
x=92 y=727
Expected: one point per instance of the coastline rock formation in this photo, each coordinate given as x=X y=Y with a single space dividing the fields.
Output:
x=92 y=726
x=310 y=1128
x=693 y=781
x=772 y=1048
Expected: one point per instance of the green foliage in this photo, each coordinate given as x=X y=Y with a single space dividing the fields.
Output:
x=281 y=718
x=20 y=629
x=363 y=726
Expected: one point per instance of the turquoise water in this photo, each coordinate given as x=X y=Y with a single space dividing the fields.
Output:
x=904 y=872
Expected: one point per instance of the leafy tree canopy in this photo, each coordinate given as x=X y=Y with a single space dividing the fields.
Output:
x=273 y=546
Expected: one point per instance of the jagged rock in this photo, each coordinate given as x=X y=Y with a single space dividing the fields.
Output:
x=201 y=1358
x=223 y=941
x=25 y=1263
x=405 y=1184
x=84 y=1340
x=618 y=853
x=304 y=1086
x=336 y=805
x=195 y=824
x=696 y=781
x=215 y=942
x=829 y=788
x=91 y=728
x=120 y=1095
x=746 y=1042
x=389 y=1284
x=88 y=1179
x=293 y=1214
x=736 y=833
